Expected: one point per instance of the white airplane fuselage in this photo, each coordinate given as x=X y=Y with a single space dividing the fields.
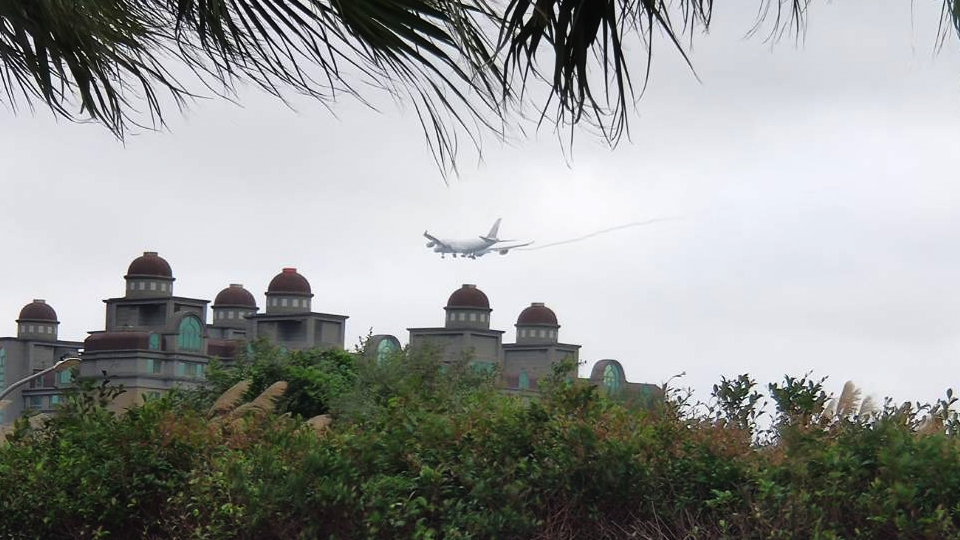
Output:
x=471 y=248
x=462 y=246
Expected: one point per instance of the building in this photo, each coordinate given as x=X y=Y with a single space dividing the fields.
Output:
x=537 y=348
x=289 y=321
x=466 y=334
x=466 y=331
x=153 y=340
x=36 y=347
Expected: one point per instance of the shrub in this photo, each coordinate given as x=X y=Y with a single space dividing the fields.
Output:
x=422 y=450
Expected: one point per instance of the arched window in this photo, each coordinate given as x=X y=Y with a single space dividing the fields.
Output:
x=611 y=378
x=524 y=382
x=189 y=338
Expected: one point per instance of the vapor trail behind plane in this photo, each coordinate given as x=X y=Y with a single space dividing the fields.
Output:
x=601 y=231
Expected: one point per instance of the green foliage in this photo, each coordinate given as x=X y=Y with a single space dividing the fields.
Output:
x=419 y=449
x=736 y=402
x=798 y=401
x=316 y=378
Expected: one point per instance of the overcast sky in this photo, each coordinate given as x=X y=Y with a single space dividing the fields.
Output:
x=818 y=184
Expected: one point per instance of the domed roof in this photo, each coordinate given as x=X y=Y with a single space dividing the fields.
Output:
x=224 y=348
x=289 y=281
x=235 y=295
x=38 y=310
x=537 y=313
x=149 y=265
x=117 y=341
x=468 y=296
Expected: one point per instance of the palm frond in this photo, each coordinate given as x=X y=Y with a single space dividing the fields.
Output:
x=105 y=59
x=580 y=44
x=457 y=61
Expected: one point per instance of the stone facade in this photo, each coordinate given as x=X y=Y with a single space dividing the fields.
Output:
x=153 y=340
x=35 y=348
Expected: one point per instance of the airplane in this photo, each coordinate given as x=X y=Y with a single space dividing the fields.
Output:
x=472 y=249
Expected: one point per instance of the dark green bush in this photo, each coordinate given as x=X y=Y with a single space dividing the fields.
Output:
x=420 y=451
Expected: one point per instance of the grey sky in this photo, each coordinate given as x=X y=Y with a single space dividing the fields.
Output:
x=818 y=184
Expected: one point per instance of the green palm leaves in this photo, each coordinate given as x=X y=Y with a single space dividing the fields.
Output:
x=125 y=62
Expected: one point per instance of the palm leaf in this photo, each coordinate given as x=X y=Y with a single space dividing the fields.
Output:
x=106 y=59
x=574 y=38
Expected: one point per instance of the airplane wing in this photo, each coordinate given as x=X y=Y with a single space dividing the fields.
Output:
x=434 y=241
x=503 y=250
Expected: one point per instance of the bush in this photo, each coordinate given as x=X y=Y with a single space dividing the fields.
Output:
x=419 y=450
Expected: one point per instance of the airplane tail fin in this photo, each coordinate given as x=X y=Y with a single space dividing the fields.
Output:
x=492 y=235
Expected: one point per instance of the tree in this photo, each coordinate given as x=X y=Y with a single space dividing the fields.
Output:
x=463 y=64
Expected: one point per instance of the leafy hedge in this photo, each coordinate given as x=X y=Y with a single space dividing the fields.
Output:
x=420 y=452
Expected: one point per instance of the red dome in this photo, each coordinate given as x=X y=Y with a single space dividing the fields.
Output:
x=468 y=296
x=117 y=341
x=235 y=295
x=289 y=281
x=537 y=313
x=149 y=265
x=38 y=310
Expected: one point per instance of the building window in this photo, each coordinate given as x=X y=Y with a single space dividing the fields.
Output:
x=452 y=317
x=462 y=316
x=163 y=287
x=55 y=400
x=190 y=369
x=283 y=302
x=229 y=314
x=524 y=382
x=154 y=343
x=553 y=333
x=142 y=286
x=484 y=368
x=190 y=338
x=35 y=402
x=153 y=285
x=30 y=329
x=611 y=378
x=473 y=317
x=483 y=317
x=65 y=377
x=153 y=365
x=543 y=333
x=131 y=285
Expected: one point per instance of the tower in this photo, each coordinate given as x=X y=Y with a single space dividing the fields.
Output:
x=466 y=331
x=536 y=350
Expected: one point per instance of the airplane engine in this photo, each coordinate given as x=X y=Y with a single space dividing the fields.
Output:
x=504 y=251
x=431 y=244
